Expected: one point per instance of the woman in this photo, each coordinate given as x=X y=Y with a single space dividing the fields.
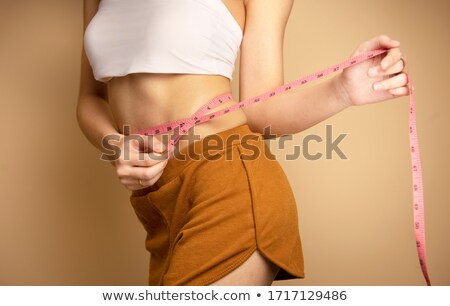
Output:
x=211 y=221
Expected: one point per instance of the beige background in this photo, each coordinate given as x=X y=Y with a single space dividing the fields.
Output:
x=66 y=220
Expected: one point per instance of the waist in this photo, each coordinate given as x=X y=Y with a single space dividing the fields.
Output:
x=141 y=101
x=212 y=148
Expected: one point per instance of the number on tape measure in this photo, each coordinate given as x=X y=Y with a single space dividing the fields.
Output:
x=201 y=116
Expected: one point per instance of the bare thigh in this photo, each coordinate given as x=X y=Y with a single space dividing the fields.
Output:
x=255 y=271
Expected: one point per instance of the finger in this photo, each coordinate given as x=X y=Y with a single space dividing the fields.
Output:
x=134 y=186
x=393 y=56
x=126 y=169
x=143 y=159
x=394 y=69
x=133 y=183
x=145 y=143
x=140 y=159
x=398 y=80
x=378 y=42
x=131 y=157
x=154 y=144
x=147 y=173
x=401 y=91
x=152 y=181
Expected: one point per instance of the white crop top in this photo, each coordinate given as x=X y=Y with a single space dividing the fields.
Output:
x=162 y=36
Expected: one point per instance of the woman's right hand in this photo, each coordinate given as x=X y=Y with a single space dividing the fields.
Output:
x=137 y=163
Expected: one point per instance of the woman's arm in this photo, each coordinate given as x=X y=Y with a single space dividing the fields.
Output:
x=96 y=121
x=295 y=111
x=93 y=112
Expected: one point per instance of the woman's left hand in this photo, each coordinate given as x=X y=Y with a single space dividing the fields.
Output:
x=378 y=79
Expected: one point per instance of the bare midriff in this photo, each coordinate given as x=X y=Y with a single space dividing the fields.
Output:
x=143 y=100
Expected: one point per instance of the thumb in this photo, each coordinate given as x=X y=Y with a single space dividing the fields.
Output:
x=153 y=144
x=144 y=143
x=378 y=42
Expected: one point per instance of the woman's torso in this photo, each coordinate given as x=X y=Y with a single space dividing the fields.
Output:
x=142 y=100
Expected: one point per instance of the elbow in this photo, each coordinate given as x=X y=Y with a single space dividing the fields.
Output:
x=260 y=120
x=83 y=110
x=79 y=109
x=254 y=121
x=253 y=126
x=261 y=125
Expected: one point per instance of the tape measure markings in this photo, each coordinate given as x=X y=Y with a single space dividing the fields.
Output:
x=182 y=126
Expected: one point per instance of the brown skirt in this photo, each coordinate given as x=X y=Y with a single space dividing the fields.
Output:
x=217 y=201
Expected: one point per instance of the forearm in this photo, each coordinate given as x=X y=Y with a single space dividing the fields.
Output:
x=295 y=111
x=95 y=119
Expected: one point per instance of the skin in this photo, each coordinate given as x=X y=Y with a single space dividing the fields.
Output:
x=143 y=100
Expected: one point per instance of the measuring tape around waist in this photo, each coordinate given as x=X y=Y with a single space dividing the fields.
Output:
x=182 y=126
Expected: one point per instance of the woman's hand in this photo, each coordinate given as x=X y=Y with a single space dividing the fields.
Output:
x=137 y=166
x=376 y=79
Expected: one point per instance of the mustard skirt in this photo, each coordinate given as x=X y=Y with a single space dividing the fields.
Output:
x=218 y=200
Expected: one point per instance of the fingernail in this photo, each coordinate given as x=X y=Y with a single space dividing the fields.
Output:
x=395 y=91
x=378 y=86
x=157 y=148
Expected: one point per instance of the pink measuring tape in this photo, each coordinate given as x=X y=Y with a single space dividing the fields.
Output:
x=182 y=126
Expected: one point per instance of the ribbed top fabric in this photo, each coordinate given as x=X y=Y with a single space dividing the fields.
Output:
x=162 y=36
